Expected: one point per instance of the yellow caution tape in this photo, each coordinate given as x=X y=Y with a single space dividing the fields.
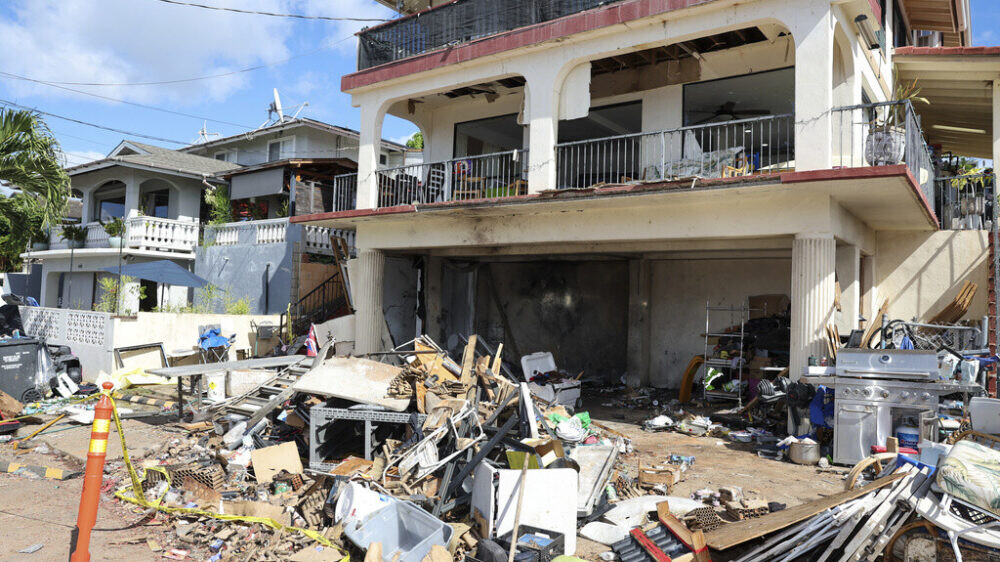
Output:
x=138 y=497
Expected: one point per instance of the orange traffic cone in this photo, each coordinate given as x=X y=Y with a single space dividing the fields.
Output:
x=91 y=497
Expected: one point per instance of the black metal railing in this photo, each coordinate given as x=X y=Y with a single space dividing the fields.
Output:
x=883 y=134
x=456 y=23
x=966 y=202
x=743 y=147
x=327 y=301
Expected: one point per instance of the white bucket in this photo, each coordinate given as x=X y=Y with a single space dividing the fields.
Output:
x=357 y=502
x=215 y=384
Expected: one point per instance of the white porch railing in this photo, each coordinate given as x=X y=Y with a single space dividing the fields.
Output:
x=316 y=239
x=268 y=231
x=96 y=237
x=271 y=231
x=151 y=233
x=147 y=233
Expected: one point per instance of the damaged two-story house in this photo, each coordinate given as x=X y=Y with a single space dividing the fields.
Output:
x=290 y=166
x=596 y=172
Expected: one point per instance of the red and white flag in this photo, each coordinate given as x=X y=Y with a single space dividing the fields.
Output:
x=311 y=346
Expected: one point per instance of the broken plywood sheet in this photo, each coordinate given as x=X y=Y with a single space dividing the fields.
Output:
x=355 y=379
x=269 y=461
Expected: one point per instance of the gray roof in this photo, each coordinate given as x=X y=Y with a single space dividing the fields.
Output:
x=163 y=159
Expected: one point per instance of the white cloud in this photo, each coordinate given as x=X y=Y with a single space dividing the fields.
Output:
x=77 y=157
x=131 y=41
x=341 y=34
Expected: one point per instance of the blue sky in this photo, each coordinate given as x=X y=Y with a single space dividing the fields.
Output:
x=128 y=41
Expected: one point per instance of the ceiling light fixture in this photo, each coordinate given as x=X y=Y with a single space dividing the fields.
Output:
x=959 y=129
x=866 y=32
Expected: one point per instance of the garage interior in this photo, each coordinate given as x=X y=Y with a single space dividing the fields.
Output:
x=635 y=316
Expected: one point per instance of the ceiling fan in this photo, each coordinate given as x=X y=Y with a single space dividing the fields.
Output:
x=728 y=112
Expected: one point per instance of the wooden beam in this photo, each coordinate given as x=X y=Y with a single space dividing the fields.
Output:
x=740 y=532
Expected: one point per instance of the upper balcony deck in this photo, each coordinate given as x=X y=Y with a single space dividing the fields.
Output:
x=459 y=22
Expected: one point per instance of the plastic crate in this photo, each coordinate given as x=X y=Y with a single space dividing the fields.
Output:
x=533 y=540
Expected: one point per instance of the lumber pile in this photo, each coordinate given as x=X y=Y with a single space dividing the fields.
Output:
x=957 y=308
x=856 y=529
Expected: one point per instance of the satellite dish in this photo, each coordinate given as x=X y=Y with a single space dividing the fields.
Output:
x=276 y=106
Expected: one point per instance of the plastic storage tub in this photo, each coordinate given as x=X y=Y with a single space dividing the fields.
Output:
x=406 y=532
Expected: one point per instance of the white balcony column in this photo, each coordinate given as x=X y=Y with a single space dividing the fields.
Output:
x=813 y=267
x=372 y=115
x=849 y=277
x=131 y=196
x=367 y=289
x=812 y=31
x=996 y=120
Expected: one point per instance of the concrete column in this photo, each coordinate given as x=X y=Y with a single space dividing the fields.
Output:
x=996 y=121
x=131 y=196
x=433 y=272
x=813 y=35
x=369 y=144
x=813 y=265
x=543 y=130
x=639 y=285
x=87 y=204
x=849 y=275
x=367 y=288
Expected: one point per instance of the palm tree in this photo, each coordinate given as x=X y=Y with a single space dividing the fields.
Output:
x=30 y=160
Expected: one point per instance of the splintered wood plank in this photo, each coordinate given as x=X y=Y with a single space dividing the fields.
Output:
x=467 y=361
x=733 y=534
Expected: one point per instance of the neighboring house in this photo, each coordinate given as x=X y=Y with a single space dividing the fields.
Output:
x=596 y=172
x=294 y=166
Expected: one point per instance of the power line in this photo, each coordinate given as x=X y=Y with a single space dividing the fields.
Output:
x=72 y=120
x=206 y=77
x=109 y=98
x=92 y=141
x=259 y=13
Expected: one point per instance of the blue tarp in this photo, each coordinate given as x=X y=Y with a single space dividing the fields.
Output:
x=161 y=271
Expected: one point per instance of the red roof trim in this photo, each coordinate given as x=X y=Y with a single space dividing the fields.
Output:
x=876 y=11
x=789 y=178
x=605 y=16
x=948 y=51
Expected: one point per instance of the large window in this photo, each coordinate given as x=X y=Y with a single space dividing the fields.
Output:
x=109 y=201
x=280 y=149
x=486 y=136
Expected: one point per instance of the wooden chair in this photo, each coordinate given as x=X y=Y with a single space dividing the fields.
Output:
x=469 y=187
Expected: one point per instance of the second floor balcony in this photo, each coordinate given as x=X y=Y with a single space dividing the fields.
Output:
x=458 y=22
x=736 y=151
x=141 y=233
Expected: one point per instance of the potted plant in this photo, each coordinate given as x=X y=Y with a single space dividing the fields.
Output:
x=115 y=228
x=886 y=140
x=40 y=240
x=74 y=235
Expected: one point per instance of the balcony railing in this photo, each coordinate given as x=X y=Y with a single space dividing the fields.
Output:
x=966 y=202
x=315 y=239
x=733 y=148
x=882 y=134
x=144 y=233
x=501 y=174
x=345 y=192
x=458 y=22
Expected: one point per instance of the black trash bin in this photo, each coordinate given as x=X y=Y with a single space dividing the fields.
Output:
x=19 y=368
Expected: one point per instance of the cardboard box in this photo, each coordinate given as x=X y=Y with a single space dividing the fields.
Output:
x=547 y=449
x=762 y=306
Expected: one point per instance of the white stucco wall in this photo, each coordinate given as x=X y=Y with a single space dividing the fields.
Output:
x=680 y=289
x=180 y=331
x=922 y=272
